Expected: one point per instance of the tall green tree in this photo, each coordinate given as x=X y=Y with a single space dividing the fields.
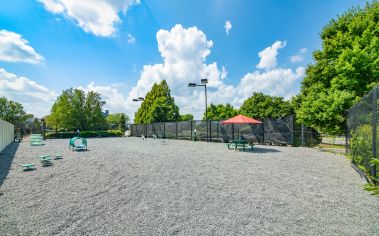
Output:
x=13 y=112
x=186 y=117
x=123 y=119
x=117 y=121
x=261 y=106
x=345 y=69
x=220 y=112
x=74 y=109
x=158 y=105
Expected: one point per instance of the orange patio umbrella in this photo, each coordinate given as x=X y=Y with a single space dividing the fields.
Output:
x=241 y=119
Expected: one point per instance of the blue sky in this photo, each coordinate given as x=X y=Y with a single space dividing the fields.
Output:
x=111 y=46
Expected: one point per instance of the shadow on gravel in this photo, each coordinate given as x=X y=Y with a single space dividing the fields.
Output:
x=6 y=158
x=262 y=150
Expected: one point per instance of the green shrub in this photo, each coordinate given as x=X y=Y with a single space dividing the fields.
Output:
x=361 y=149
x=85 y=134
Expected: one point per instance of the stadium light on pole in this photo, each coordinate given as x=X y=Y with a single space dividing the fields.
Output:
x=141 y=99
x=203 y=84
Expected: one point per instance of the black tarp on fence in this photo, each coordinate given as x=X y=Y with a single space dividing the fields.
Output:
x=272 y=131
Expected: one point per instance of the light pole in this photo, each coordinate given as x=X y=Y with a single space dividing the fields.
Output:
x=141 y=99
x=203 y=84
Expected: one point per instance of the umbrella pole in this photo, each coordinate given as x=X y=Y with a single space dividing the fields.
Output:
x=232 y=131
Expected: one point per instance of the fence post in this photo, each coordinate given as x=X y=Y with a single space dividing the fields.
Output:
x=176 y=131
x=263 y=131
x=217 y=130
x=292 y=130
x=232 y=131
x=191 y=128
x=346 y=134
x=374 y=131
x=164 y=129
x=210 y=131
x=302 y=135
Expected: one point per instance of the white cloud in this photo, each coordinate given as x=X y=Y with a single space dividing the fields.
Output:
x=35 y=98
x=13 y=48
x=276 y=82
x=269 y=54
x=299 y=57
x=131 y=39
x=99 y=17
x=184 y=52
x=114 y=99
x=228 y=26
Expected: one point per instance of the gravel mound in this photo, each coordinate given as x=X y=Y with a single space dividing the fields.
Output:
x=127 y=186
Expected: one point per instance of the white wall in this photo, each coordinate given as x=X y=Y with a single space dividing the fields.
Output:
x=6 y=134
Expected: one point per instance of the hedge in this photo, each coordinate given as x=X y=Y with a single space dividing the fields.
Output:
x=85 y=134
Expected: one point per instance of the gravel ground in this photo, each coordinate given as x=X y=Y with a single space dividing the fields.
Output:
x=127 y=186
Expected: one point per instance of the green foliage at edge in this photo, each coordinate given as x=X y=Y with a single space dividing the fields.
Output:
x=345 y=69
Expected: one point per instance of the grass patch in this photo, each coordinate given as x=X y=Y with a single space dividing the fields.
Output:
x=373 y=189
x=324 y=145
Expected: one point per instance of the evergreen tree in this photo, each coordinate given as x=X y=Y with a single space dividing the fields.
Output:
x=122 y=124
x=158 y=105
x=117 y=121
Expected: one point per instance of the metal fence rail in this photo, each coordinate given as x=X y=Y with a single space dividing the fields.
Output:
x=361 y=132
x=6 y=134
x=272 y=131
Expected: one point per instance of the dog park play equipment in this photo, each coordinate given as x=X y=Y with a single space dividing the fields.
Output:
x=28 y=167
x=78 y=143
x=36 y=140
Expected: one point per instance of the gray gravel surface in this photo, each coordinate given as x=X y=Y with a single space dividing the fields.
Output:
x=127 y=186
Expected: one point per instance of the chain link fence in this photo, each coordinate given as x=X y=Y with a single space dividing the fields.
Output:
x=361 y=134
x=282 y=131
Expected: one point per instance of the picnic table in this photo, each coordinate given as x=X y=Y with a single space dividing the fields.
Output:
x=236 y=143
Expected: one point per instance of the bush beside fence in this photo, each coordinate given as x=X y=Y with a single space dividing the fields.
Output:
x=362 y=132
x=6 y=134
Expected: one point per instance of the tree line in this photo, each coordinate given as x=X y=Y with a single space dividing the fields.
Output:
x=74 y=109
x=343 y=71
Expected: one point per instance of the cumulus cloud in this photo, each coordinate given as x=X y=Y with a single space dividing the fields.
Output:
x=14 y=48
x=114 y=99
x=298 y=57
x=99 y=17
x=35 y=98
x=184 y=52
x=277 y=82
x=131 y=39
x=269 y=54
x=228 y=26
